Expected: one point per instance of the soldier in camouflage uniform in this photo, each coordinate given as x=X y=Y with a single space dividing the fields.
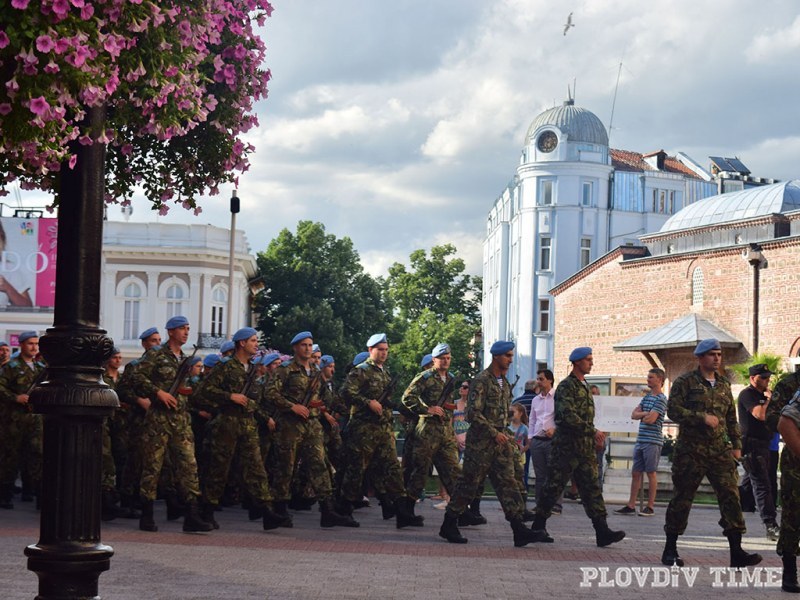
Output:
x=430 y=397
x=572 y=452
x=709 y=444
x=20 y=429
x=136 y=408
x=489 y=450
x=264 y=413
x=782 y=393
x=370 y=442
x=108 y=482
x=293 y=394
x=167 y=428
x=789 y=539
x=229 y=388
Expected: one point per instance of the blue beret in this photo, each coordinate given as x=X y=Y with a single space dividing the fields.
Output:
x=303 y=335
x=227 y=346
x=360 y=358
x=26 y=335
x=211 y=360
x=270 y=358
x=426 y=360
x=501 y=347
x=176 y=321
x=245 y=333
x=579 y=353
x=3 y=343
x=706 y=346
x=378 y=338
x=147 y=333
x=325 y=360
x=315 y=348
x=114 y=350
x=440 y=349
x=195 y=359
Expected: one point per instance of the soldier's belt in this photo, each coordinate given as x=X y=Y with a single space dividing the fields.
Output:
x=235 y=411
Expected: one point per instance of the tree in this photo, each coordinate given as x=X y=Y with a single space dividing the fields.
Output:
x=315 y=281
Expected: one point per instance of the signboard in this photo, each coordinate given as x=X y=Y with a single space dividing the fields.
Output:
x=612 y=414
x=28 y=262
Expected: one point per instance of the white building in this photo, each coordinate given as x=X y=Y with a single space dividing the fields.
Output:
x=572 y=200
x=152 y=271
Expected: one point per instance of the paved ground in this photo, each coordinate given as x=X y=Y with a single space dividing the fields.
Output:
x=241 y=561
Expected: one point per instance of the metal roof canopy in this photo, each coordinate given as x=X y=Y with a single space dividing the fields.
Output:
x=683 y=332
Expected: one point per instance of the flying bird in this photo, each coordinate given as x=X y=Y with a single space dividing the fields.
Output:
x=568 y=24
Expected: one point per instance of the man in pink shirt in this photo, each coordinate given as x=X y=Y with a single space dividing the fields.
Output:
x=541 y=427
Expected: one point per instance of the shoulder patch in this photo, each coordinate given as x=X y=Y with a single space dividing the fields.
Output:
x=427 y=374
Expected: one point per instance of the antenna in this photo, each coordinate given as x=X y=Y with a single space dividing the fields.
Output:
x=574 y=87
x=614 y=102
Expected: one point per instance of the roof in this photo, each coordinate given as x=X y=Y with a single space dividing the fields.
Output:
x=734 y=206
x=579 y=124
x=683 y=332
x=625 y=160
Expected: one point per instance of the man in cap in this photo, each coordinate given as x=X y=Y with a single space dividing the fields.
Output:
x=264 y=413
x=167 y=428
x=20 y=429
x=227 y=348
x=789 y=540
x=293 y=393
x=370 y=441
x=234 y=428
x=489 y=449
x=5 y=352
x=709 y=444
x=430 y=397
x=114 y=443
x=316 y=355
x=409 y=420
x=752 y=407
x=572 y=452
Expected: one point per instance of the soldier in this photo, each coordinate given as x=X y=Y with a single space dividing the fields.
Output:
x=573 y=452
x=167 y=427
x=227 y=348
x=370 y=437
x=488 y=450
x=20 y=429
x=409 y=420
x=789 y=428
x=109 y=508
x=782 y=393
x=235 y=428
x=5 y=352
x=293 y=393
x=316 y=355
x=708 y=444
x=430 y=397
x=264 y=414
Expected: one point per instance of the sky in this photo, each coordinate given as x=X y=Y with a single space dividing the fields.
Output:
x=399 y=123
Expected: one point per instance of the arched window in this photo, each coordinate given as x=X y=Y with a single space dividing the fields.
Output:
x=219 y=303
x=698 y=285
x=132 y=293
x=174 y=296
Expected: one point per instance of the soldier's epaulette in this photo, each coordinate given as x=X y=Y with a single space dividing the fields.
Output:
x=224 y=359
x=427 y=374
x=40 y=363
x=134 y=362
x=152 y=350
x=14 y=363
x=286 y=363
x=363 y=365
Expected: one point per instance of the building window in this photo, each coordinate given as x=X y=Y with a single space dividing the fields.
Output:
x=586 y=195
x=541 y=366
x=544 y=314
x=174 y=296
x=544 y=253
x=130 y=327
x=586 y=251
x=546 y=192
x=219 y=302
x=662 y=203
x=698 y=285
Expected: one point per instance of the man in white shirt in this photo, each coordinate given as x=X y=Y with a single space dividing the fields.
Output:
x=541 y=427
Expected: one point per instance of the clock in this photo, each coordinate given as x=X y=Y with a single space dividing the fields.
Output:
x=547 y=142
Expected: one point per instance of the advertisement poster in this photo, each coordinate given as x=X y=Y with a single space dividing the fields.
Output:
x=27 y=262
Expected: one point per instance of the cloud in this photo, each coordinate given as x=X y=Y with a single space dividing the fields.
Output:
x=774 y=43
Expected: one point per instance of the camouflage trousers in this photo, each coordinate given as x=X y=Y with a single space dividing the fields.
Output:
x=226 y=435
x=369 y=447
x=297 y=439
x=688 y=469
x=132 y=472
x=20 y=441
x=109 y=472
x=118 y=430
x=434 y=445
x=576 y=458
x=790 y=504
x=484 y=457
x=410 y=428
x=301 y=481
x=168 y=433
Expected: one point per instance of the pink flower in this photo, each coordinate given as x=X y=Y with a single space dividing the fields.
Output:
x=39 y=106
x=20 y=4
x=5 y=108
x=60 y=7
x=51 y=68
x=72 y=160
x=163 y=209
x=44 y=43
x=4 y=41
x=86 y=12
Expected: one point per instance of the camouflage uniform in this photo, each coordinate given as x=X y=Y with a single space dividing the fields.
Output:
x=790 y=489
x=109 y=475
x=781 y=395
x=296 y=437
x=701 y=450
x=434 y=440
x=132 y=473
x=370 y=438
x=165 y=430
x=572 y=450
x=233 y=428
x=20 y=429
x=487 y=414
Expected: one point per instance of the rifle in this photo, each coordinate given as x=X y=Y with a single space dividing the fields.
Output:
x=182 y=373
x=37 y=380
x=252 y=375
x=445 y=395
x=386 y=395
x=513 y=385
x=311 y=389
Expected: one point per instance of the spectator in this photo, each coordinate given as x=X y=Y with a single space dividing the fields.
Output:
x=460 y=425
x=541 y=427
x=518 y=427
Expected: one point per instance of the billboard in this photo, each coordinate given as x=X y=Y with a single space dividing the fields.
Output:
x=27 y=262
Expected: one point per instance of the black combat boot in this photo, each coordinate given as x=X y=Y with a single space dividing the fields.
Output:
x=789 y=579
x=387 y=507
x=193 y=522
x=404 y=506
x=175 y=509
x=539 y=531
x=449 y=529
x=255 y=512
x=528 y=515
x=330 y=518
x=475 y=512
x=280 y=509
x=108 y=506
x=128 y=508
x=670 y=555
x=300 y=503
x=146 y=522
x=271 y=519
x=522 y=535
x=740 y=558
x=604 y=535
x=207 y=514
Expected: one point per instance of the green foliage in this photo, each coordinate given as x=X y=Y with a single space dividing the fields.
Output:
x=773 y=361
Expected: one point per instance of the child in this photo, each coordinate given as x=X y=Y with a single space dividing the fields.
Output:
x=519 y=418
